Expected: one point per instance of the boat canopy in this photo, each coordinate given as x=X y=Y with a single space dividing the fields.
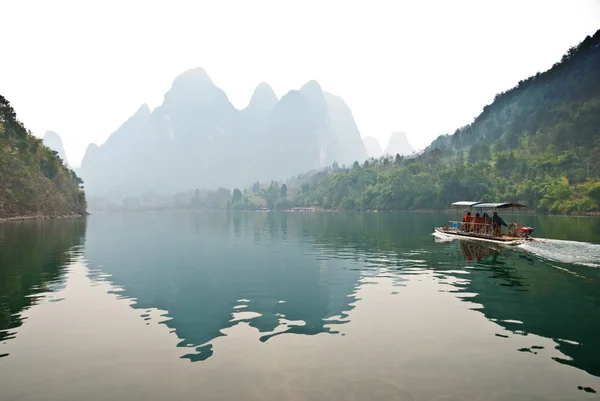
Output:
x=503 y=205
x=465 y=203
x=488 y=205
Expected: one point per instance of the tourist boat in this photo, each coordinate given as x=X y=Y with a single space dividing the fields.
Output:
x=485 y=232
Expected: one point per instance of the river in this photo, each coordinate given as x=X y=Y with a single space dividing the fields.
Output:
x=296 y=306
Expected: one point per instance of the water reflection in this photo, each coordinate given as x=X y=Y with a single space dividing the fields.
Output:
x=472 y=250
x=33 y=256
x=534 y=296
x=232 y=263
x=375 y=289
x=299 y=274
x=516 y=289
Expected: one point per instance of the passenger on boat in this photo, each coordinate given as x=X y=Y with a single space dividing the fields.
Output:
x=497 y=222
x=487 y=223
x=477 y=223
x=467 y=222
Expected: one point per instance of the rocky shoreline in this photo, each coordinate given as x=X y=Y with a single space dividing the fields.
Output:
x=44 y=217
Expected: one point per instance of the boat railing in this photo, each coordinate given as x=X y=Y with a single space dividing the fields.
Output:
x=471 y=227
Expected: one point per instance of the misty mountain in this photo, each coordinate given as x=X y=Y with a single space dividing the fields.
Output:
x=53 y=141
x=373 y=147
x=197 y=139
x=399 y=144
x=345 y=143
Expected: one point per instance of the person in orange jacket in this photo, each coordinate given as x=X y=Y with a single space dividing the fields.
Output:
x=467 y=222
x=476 y=223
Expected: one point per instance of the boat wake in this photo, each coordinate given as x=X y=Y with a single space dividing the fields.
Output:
x=581 y=253
x=439 y=237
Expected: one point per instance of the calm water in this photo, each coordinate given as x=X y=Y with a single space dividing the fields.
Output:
x=331 y=306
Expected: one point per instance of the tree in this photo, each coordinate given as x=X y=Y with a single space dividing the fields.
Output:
x=473 y=157
x=237 y=195
x=594 y=193
x=479 y=152
x=283 y=192
x=218 y=199
x=196 y=198
x=460 y=159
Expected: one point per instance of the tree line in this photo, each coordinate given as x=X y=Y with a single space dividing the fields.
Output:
x=33 y=180
x=538 y=143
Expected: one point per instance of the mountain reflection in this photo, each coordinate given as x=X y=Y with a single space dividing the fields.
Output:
x=33 y=257
x=519 y=291
x=298 y=273
x=549 y=299
x=204 y=267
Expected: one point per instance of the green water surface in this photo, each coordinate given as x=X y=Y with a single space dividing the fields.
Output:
x=315 y=306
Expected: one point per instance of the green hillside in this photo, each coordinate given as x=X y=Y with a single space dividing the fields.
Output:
x=33 y=180
x=538 y=143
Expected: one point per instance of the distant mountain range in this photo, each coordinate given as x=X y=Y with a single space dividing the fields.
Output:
x=373 y=147
x=53 y=141
x=398 y=144
x=197 y=139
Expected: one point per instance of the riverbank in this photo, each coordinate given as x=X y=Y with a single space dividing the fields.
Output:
x=462 y=210
x=313 y=209
x=43 y=217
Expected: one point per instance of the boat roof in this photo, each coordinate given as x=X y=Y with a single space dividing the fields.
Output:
x=489 y=205
x=465 y=203
x=502 y=205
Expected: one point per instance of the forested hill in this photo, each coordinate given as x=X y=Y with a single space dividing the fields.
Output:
x=33 y=179
x=538 y=142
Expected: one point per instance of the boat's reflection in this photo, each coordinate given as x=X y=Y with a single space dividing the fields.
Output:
x=490 y=254
x=472 y=250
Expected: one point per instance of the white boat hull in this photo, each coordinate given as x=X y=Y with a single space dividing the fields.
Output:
x=448 y=234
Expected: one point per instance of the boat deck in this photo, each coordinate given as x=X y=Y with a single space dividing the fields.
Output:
x=503 y=238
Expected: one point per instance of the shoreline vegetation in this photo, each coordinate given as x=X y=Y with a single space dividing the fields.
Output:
x=34 y=180
x=43 y=217
x=322 y=210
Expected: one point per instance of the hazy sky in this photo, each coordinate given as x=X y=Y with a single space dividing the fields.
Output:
x=81 y=68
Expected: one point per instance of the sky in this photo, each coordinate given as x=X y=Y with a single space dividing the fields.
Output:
x=421 y=67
